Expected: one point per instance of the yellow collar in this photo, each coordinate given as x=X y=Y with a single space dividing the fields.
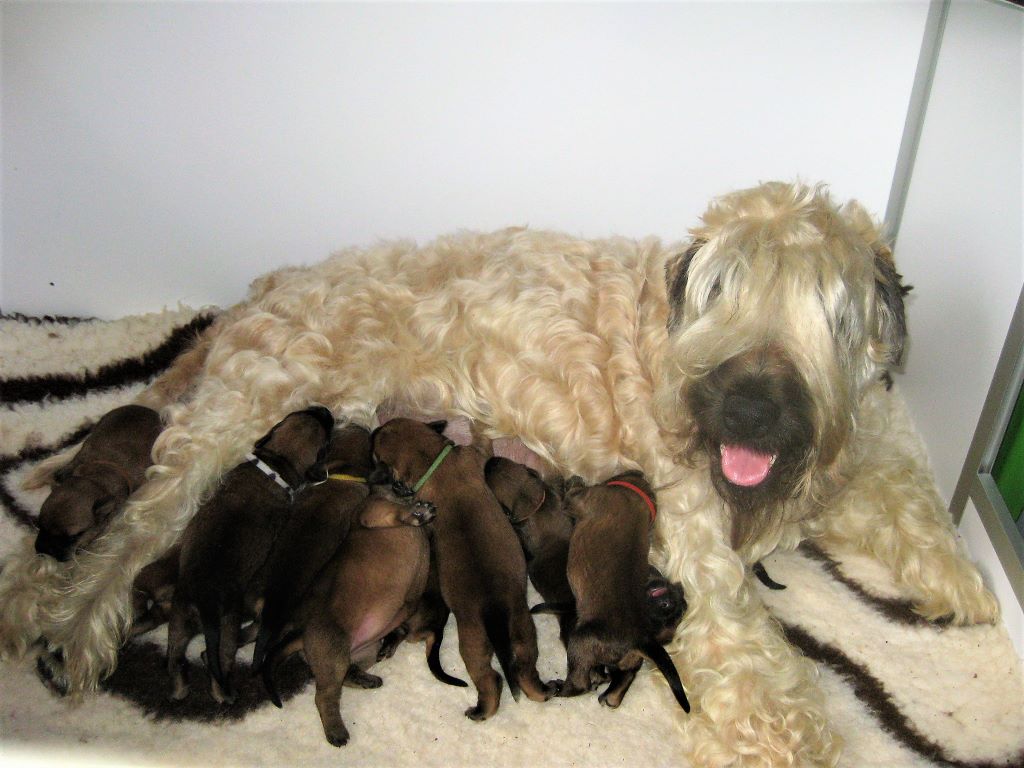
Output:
x=347 y=478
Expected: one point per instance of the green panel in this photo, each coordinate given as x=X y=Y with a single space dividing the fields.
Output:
x=1008 y=470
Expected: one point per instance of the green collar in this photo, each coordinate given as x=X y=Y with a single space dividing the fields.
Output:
x=433 y=468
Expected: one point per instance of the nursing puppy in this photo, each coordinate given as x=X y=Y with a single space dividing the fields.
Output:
x=427 y=624
x=320 y=518
x=535 y=510
x=369 y=587
x=227 y=543
x=153 y=592
x=608 y=572
x=481 y=567
x=97 y=481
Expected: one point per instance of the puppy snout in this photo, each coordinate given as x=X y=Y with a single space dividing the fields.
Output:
x=749 y=415
x=57 y=547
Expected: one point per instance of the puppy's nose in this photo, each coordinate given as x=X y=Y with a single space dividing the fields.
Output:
x=47 y=545
x=749 y=416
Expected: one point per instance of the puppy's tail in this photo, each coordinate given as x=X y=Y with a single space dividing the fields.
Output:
x=764 y=578
x=434 y=659
x=663 y=661
x=275 y=657
x=556 y=608
x=496 y=624
x=209 y=616
x=267 y=633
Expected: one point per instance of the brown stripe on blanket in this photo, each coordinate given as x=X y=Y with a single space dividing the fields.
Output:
x=10 y=464
x=34 y=389
x=897 y=610
x=870 y=691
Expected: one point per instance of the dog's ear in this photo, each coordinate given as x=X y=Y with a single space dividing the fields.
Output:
x=890 y=317
x=677 y=271
x=381 y=475
x=438 y=426
x=265 y=439
x=104 y=507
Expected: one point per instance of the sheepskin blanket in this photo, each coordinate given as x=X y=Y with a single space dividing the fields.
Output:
x=900 y=691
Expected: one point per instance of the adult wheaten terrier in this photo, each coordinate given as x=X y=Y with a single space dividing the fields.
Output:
x=744 y=372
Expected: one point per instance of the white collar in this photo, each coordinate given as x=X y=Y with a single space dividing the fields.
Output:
x=261 y=465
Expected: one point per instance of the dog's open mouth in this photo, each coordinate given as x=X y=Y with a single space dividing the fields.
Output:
x=744 y=466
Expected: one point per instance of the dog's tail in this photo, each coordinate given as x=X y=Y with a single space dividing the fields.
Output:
x=433 y=641
x=275 y=657
x=268 y=632
x=496 y=625
x=556 y=608
x=209 y=607
x=659 y=656
x=764 y=578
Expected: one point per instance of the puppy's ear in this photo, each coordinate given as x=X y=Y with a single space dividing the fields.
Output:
x=677 y=272
x=104 y=507
x=265 y=439
x=438 y=426
x=381 y=475
x=890 y=332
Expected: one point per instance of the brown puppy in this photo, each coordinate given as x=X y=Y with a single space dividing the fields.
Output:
x=227 y=542
x=153 y=592
x=481 y=567
x=426 y=624
x=369 y=587
x=608 y=572
x=97 y=481
x=535 y=510
x=320 y=519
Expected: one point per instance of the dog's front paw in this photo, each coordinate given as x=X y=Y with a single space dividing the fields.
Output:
x=423 y=512
x=50 y=669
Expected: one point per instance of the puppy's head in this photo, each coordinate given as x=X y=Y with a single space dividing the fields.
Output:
x=403 y=450
x=665 y=605
x=518 y=488
x=299 y=441
x=74 y=514
x=349 y=451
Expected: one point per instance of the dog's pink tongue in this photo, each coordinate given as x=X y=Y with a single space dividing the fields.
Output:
x=743 y=466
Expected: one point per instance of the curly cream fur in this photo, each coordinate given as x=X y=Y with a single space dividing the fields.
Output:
x=563 y=342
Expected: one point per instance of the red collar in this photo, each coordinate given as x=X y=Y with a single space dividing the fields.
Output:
x=640 y=493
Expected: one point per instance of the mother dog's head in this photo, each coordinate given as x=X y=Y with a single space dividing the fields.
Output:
x=784 y=308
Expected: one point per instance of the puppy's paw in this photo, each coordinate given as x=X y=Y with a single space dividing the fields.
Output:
x=356 y=678
x=337 y=737
x=50 y=669
x=477 y=714
x=423 y=512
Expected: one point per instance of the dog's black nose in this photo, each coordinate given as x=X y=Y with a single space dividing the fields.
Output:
x=749 y=416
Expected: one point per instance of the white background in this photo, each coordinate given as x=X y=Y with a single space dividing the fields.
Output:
x=154 y=153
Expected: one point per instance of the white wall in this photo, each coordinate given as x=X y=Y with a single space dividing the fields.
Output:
x=162 y=152
x=961 y=244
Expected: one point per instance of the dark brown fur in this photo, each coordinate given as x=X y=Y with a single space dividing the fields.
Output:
x=370 y=586
x=97 y=481
x=226 y=544
x=153 y=592
x=320 y=519
x=608 y=572
x=481 y=567
x=535 y=510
